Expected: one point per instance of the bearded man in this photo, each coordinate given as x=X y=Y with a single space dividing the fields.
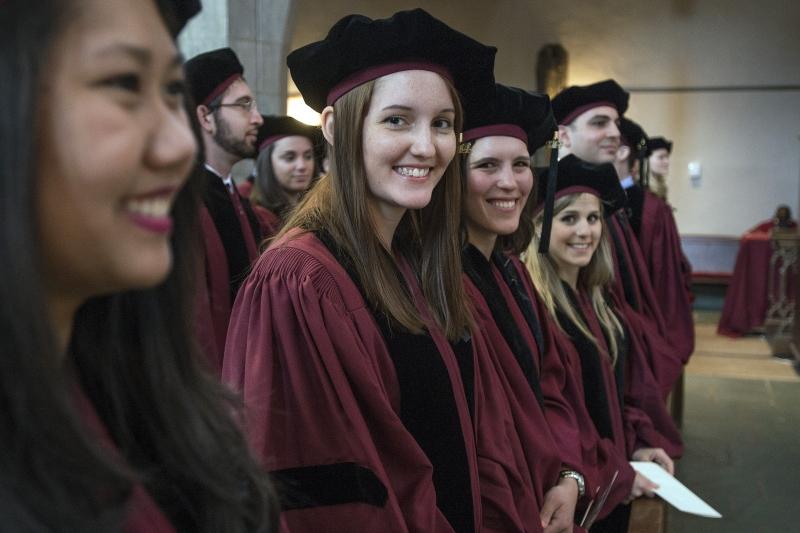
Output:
x=229 y=120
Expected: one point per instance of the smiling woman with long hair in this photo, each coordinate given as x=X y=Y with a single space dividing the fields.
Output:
x=350 y=337
x=106 y=420
x=499 y=138
x=598 y=353
x=284 y=171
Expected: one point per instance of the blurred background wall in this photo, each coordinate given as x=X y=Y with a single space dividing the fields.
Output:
x=721 y=78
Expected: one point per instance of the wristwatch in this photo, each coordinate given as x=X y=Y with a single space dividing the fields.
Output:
x=578 y=479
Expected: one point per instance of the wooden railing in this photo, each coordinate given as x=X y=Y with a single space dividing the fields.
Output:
x=779 y=325
x=794 y=345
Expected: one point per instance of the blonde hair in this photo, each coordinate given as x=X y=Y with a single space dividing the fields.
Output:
x=595 y=278
x=429 y=238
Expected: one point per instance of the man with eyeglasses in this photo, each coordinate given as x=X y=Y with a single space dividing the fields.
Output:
x=229 y=122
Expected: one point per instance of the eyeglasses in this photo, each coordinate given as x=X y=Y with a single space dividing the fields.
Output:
x=246 y=104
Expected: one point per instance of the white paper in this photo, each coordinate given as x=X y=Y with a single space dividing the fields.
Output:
x=673 y=491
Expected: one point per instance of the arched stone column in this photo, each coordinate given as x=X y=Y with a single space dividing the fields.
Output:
x=207 y=31
x=259 y=31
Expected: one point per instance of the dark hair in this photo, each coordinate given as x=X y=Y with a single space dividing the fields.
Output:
x=133 y=354
x=267 y=192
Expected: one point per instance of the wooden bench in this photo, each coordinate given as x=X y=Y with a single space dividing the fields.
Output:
x=648 y=515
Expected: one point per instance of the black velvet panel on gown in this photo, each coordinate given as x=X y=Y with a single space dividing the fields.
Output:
x=480 y=273
x=636 y=204
x=223 y=213
x=625 y=271
x=428 y=408
x=596 y=395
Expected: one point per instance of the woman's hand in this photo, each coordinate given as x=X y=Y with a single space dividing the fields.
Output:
x=558 y=511
x=641 y=487
x=655 y=455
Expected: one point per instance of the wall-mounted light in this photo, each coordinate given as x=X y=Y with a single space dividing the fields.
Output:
x=695 y=173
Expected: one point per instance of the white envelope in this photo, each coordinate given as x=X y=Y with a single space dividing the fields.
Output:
x=673 y=491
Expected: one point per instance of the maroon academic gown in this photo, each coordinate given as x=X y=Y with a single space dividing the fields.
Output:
x=670 y=271
x=601 y=462
x=246 y=187
x=537 y=460
x=143 y=514
x=657 y=366
x=327 y=403
x=269 y=223
x=606 y=441
x=648 y=421
x=231 y=235
x=632 y=285
x=604 y=444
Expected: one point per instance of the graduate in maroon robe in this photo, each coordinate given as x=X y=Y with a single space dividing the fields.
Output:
x=657 y=168
x=229 y=121
x=351 y=340
x=668 y=267
x=588 y=120
x=654 y=225
x=498 y=140
x=107 y=420
x=285 y=169
x=573 y=280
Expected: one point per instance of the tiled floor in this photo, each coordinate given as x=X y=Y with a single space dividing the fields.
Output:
x=742 y=434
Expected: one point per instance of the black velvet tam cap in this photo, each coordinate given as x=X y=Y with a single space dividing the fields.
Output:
x=657 y=143
x=576 y=176
x=210 y=73
x=178 y=12
x=277 y=127
x=633 y=135
x=512 y=112
x=575 y=100
x=359 y=49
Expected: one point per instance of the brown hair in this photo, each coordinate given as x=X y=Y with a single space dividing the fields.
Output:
x=267 y=192
x=429 y=238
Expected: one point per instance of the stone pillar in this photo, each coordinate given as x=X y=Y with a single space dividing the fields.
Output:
x=260 y=32
x=207 y=31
